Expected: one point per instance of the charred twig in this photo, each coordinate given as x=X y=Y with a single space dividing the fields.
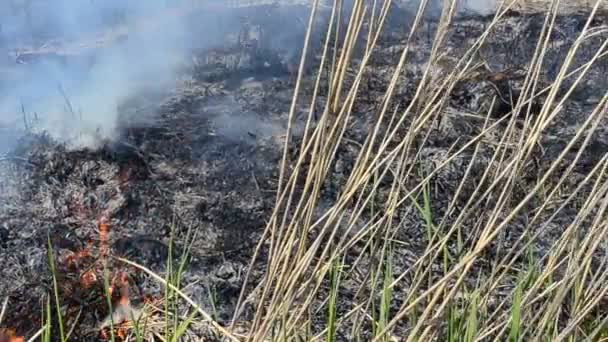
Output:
x=25 y=123
x=255 y=181
x=67 y=100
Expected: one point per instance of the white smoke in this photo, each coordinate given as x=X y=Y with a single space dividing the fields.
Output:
x=83 y=58
x=482 y=7
x=73 y=62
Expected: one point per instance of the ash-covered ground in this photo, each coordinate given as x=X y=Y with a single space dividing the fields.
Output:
x=199 y=162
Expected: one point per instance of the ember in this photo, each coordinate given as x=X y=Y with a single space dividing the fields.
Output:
x=88 y=279
x=104 y=235
x=10 y=335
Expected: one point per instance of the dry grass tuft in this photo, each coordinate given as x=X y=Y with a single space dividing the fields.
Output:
x=452 y=289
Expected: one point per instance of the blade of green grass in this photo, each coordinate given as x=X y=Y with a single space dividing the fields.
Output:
x=472 y=319
x=51 y=257
x=333 y=301
x=514 y=333
x=387 y=294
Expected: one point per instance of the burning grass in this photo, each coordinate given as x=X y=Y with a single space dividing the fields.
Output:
x=446 y=181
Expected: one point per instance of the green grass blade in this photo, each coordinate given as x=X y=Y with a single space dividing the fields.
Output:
x=514 y=333
x=183 y=327
x=48 y=322
x=56 y=289
x=387 y=294
x=333 y=301
x=472 y=320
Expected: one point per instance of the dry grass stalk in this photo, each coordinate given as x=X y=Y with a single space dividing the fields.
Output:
x=304 y=245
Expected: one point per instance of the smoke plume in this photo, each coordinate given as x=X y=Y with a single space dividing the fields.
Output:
x=67 y=65
x=434 y=7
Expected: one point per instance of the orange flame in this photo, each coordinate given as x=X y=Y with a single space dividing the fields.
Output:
x=10 y=335
x=123 y=283
x=74 y=260
x=88 y=279
x=104 y=235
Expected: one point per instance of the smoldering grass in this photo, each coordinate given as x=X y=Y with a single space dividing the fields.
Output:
x=206 y=316
x=175 y=325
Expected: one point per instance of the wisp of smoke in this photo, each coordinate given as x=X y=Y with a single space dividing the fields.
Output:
x=69 y=64
x=434 y=7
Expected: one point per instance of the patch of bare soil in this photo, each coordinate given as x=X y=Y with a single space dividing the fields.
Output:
x=206 y=165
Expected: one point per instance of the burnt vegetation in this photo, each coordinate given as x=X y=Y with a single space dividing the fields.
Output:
x=348 y=170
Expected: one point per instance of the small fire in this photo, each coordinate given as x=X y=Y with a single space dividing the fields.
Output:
x=123 y=311
x=88 y=279
x=78 y=209
x=122 y=333
x=83 y=253
x=123 y=283
x=124 y=176
x=76 y=259
x=104 y=235
x=10 y=335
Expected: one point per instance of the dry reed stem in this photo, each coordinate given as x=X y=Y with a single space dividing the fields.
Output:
x=298 y=266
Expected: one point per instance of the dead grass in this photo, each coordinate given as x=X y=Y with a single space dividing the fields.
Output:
x=304 y=246
x=565 y=7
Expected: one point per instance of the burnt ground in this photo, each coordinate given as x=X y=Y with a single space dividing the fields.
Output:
x=206 y=169
x=206 y=165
